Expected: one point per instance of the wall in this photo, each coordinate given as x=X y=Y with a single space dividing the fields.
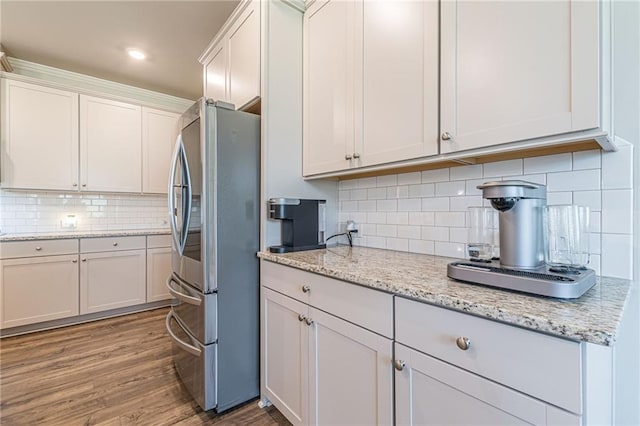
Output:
x=424 y=212
x=22 y=211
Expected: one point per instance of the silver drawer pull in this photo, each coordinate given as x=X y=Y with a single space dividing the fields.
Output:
x=115 y=244
x=306 y=289
x=301 y=317
x=309 y=321
x=74 y=261
x=463 y=343
x=84 y=259
x=38 y=248
x=398 y=364
x=445 y=136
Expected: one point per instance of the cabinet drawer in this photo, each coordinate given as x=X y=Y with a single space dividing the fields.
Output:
x=92 y=245
x=15 y=249
x=158 y=241
x=542 y=366
x=365 y=307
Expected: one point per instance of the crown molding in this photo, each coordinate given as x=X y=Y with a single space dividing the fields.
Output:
x=32 y=72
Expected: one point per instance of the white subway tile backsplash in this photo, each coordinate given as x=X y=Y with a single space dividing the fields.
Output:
x=466 y=172
x=440 y=204
x=368 y=229
x=358 y=194
x=398 y=218
x=409 y=231
x=458 y=235
x=586 y=160
x=445 y=189
x=595 y=222
x=450 y=249
x=410 y=205
x=387 y=205
x=409 y=178
x=450 y=219
x=421 y=246
x=349 y=206
x=617 y=211
x=398 y=244
x=376 y=242
x=580 y=180
x=387 y=230
x=548 y=163
x=460 y=204
x=422 y=218
x=438 y=175
x=422 y=190
x=595 y=261
x=369 y=182
x=388 y=180
x=617 y=168
x=591 y=199
x=394 y=192
x=366 y=206
x=377 y=194
x=621 y=264
x=559 y=198
x=470 y=186
x=348 y=184
x=502 y=168
x=377 y=217
x=435 y=233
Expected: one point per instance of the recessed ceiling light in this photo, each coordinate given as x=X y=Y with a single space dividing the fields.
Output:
x=136 y=54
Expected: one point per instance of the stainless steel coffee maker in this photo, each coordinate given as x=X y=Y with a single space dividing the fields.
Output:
x=522 y=267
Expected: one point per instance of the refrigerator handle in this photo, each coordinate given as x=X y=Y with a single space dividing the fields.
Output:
x=187 y=347
x=186 y=213
x=181 y=296
x=172 y=196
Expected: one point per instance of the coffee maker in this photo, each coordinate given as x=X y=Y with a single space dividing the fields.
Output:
x=303 y=223
x=522 y=267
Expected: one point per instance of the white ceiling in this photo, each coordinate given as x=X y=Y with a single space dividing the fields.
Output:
x=91 y=37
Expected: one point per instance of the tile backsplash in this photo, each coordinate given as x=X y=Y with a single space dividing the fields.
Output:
x=33 y=211
x=424 y=212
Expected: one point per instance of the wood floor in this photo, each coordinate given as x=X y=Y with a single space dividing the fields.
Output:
x=111 y=372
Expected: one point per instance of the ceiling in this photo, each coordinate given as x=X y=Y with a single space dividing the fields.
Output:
x=91 y=37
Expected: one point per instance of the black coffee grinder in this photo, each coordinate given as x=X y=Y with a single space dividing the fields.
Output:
x=303 y=223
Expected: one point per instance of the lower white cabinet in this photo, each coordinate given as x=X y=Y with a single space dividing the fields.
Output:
x=320 y=369
x=36 y=289
x=158 y=267
x=433 y=392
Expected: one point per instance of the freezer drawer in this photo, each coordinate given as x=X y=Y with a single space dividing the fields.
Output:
x=195 y=363
x=196 y=311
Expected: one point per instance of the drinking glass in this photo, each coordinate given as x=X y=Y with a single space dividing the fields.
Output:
x=482 y=232
x=567 y=233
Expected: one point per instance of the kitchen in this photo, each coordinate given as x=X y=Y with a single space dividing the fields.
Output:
x=409 y=201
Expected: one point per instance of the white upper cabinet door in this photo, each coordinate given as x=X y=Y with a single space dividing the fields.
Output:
x=400 y=81
x=328 y=86
x=159 y=132
x=39 y=137
x=110 y=145
x=215 y=74
x=517 y=70
x=244 y=57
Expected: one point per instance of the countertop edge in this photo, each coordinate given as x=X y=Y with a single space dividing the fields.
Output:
x=82 y=234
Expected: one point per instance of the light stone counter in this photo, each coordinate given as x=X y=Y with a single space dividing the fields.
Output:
x=595 y=317
x=82 y=234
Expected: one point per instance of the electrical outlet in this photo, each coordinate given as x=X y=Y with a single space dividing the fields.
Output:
x=351 y=226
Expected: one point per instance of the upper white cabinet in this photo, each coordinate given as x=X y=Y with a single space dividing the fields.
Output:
x=159 y=132
x=517 y=70
x=232 y=60
x=110 y=135
x=370 y=83
x=39 y=137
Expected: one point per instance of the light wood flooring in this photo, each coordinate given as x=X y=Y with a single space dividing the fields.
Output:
x=110 y=372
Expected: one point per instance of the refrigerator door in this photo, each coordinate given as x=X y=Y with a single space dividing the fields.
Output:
x=196 y=311
x=195 y=363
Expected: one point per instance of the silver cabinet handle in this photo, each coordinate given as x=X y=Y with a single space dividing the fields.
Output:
x=445 y=136
x=84 y=185
x=301 y=317
x=115 y=244
x=38 y=248
x=463 y=343
x=75 y=184
x=84 y=259
x=356 y=155
x=347 y=157
x=306 y=288
x=74 y=261
x=399 y=364
x=309 y=321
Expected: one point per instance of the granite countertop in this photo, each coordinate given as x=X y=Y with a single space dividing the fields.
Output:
x=595 y=317
x=82 y=234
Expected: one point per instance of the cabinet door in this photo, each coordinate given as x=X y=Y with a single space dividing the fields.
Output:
x=350 y=373
x=215 y=74
x=285 y=358
x=244 y=57
x=159 y=131
x=432 y=392
x=400 y=81
x=38 y=289
x=111 y=280
x=328 y=80
x=39 y=137
x=158 y=270
x=110 y=145
x=517 y=70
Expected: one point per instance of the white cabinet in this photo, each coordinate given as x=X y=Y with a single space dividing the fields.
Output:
x=39 y=132
x=512 y=71
x=110 y=148
x=36 y=289
x=370 y=83
x=159 y=132
x=158 y=267
x=312 y=359
x=112 y=273
x=432 y=392
x=232 y=60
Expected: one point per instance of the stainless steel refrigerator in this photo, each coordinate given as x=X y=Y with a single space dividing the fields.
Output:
x=214 y=209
